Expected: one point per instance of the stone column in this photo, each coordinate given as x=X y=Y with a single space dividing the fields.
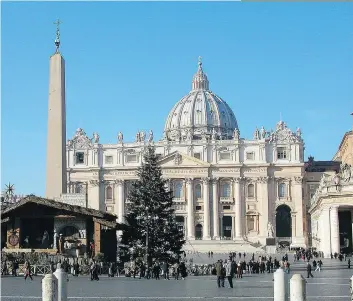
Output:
x=335 y=236
x=238 y=213
x=121 y=201
x=214 y=154
x=265 y=209
x=94 y=194
x=233 y=227
x=206 y=209
x=190 y=197
x=325 y=232
x=297 y=195
x=215 y=208
x=294 y=223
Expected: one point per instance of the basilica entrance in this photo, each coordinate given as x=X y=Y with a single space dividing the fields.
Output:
x=283 y=221
x=227 y=227
x=198 y=231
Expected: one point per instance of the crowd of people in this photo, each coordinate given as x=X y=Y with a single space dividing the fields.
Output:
x=235 y=266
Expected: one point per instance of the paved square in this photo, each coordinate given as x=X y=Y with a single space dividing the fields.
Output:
x=332 y=284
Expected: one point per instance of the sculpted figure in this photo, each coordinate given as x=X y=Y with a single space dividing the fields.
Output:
x=120 y=137
x=270 y=230
x=257 y=134
x=95 y=137
x=69 y=143
x=142 y=136
x=299 y=132
x=263 y=133
x=150 y=137
x=236 y=134
x=346 y=172
x=138 y=137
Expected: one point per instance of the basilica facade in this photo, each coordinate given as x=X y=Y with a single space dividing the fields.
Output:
x=225 y=187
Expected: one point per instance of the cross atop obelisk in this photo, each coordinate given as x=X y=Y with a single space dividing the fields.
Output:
x=57 y=39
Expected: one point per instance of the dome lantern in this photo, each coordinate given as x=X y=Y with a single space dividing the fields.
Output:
x=200 y=81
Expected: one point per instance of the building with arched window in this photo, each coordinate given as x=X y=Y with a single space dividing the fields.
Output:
x=331 y=204
x=226 y=188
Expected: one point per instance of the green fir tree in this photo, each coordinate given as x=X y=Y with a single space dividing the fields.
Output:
x=150 y=231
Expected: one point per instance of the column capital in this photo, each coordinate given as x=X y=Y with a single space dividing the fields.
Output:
x=189 y=180
x=215 y=180
x=262 y=180
x=119 y=182
x=94 y=182
x=298 y=179
x=238 y=179
x=205 y=180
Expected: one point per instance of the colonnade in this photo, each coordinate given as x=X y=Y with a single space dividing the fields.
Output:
x=329 y=231
x=209 y=214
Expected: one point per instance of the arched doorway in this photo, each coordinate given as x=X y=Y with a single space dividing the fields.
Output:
x=198 y=231
x=283 y=221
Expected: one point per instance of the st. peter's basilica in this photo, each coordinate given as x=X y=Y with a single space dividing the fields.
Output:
x=227 y=189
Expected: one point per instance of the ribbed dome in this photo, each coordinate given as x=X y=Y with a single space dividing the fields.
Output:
x=200 y=113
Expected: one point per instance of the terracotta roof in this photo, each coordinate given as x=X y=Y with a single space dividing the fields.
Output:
x=100 y=216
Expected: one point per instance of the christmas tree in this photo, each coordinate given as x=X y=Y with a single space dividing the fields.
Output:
x=150 y=230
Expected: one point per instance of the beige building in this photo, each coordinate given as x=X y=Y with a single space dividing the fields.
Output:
x=332 y=204
x=229 y=191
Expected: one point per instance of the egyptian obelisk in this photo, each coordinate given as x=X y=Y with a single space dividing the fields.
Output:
x=56 y=139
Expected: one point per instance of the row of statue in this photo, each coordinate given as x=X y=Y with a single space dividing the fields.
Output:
x=262 y=134
x=140 y=137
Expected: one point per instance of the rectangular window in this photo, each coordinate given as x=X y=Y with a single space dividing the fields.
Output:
x=197 y=156
x=250 y=156
x=224 y=156
x=80 y=158
x=226 y=207
x=281 y=153
x=108 y=159
x=131 y=158
x=198 y=208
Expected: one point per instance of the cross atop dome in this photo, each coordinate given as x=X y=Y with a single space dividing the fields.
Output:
x=200 y=81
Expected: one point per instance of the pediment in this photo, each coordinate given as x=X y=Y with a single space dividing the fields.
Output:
x=180 y=159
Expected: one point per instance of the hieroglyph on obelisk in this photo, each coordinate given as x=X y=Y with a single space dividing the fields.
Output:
x=56 y=140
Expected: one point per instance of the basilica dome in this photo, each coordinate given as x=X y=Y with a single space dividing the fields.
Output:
x=200 y=114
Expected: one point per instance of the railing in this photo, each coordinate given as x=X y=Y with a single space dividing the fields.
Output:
x=35 y=269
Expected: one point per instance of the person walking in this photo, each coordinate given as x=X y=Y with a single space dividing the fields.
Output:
x=318 y=265
x=219 y=273
x=165 y=268
x=229 y=273
x=308 y=270
x=28 y=270
x=14 y=268
x=349 y=263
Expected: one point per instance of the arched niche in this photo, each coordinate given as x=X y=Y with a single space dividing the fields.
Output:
x=283 y=221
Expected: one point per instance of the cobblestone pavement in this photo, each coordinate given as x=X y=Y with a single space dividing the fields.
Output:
x=331 y=284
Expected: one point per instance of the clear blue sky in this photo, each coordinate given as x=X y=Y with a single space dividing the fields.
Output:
x=127 y=64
